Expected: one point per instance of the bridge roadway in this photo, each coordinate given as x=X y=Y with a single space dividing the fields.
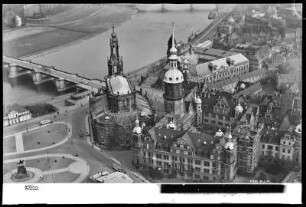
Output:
x=82 y=82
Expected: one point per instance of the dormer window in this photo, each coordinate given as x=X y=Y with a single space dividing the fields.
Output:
x=287 y=136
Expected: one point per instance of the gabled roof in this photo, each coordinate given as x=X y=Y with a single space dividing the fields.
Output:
x=198 y=139
x=163 y=135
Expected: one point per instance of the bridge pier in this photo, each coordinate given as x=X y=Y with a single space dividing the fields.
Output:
x=39 y=78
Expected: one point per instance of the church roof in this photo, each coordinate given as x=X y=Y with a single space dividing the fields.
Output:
x=119 y=85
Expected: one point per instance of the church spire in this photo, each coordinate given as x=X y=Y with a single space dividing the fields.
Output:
x=173 y=50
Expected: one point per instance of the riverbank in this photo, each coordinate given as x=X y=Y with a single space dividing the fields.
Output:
x=58 y=33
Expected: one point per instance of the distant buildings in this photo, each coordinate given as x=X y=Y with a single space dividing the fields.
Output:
x=16 y=114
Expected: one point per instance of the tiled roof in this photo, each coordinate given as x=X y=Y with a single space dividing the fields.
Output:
x=198 y=139
x=163 y=135
x=271 y=136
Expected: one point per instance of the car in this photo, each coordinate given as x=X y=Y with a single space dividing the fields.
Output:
x=44 y=122
x=84 y=82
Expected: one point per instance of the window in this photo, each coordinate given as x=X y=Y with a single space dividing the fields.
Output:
x=276 y=148
x=197 y=169
x=206 y=120
x=166 y=157
x=263 y=146
x=181 y=159
x=197 y=162
x=283 y=150
x=189 y=161
x=220 y=123
x=158 y=156
x=196 y=176
x=159 y=163
x=289 y=143
x=213 y=122
x=206 y=171
x=270 y=147
x=288 y=151
x=174 y=158
x=214 y=164
x=205 y=177
x=206 y=163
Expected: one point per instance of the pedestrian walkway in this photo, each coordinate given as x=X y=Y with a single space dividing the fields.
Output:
x=19 y=143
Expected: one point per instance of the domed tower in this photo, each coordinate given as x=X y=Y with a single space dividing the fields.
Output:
x=186 y=72
x=173 y=81
x=238 y=110
x=115 y=62
x=198 y=102
x=229 y=157
x=137 y=143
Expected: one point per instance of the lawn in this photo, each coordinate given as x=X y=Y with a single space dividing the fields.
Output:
x=9 y=145
x=44 y=137
x=62 y=177
x=51 y=163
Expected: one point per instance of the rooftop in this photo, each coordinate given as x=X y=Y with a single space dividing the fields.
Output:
x=119 y=85
x=203 y=69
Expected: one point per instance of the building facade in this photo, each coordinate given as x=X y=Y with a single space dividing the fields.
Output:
x=16 y=114
x=223 y=69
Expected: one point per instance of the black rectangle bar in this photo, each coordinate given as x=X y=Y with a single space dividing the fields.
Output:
x=222 y=188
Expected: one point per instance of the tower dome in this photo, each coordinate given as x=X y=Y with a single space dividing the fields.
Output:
x=242 y=86
x=219 y=133
x=298 y=128
x=171 y=125
x=197 y=100
x=173 y=76
x=229 y=145
x=231 y=20
x=137 y=129
x=239 y=108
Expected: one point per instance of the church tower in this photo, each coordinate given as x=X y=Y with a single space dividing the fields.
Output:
x=198 y=102
x=173 y=81
x=115 y=62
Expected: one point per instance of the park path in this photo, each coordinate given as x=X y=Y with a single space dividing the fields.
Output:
x=19 y=143
x=80 y=166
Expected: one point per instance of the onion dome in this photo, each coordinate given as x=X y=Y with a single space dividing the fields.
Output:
x=173 y=76
x=171 y=125
x=219 y=133
x=197 y=100
x=137 y=129
x=229 y=145
x=239 y=108
x=186 y=63
x=242 y=86
x=231 y=20
x=298 y=128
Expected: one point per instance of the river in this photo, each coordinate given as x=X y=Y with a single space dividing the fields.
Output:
x=142 y=40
